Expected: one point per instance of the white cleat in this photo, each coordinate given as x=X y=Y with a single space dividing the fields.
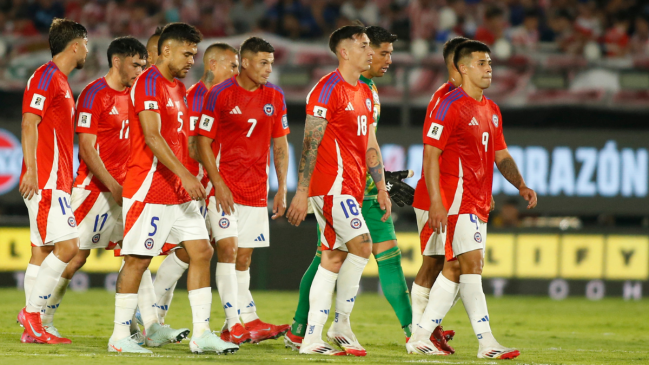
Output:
x=49 y=328
x=127 y=345
x=161 y=335
x=138 y=337
x=346 y=341
x=320 y=348
x=498 y=352
x=210 y=342
x=424 y=346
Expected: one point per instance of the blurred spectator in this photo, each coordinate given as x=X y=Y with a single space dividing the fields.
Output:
x=588 y=21
x=509 y=215
x=493 y=27
x=22 y=25
x=363 y=10
x=564 y=34
x=616 y=39
x=423 y=19
x=245 y=15
x=640 y=39
x=43 y=12
x=525 y=37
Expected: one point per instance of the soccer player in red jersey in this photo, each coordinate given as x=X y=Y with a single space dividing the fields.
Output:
x=46 y=176
x=152 y=47
x=221 y=62
x=241 y=117
x=158 y=190
x=339 y=147
x=463 y=140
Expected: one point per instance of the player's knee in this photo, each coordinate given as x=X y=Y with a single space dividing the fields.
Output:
x=451 y=271
x=66 y=250
x=243 y=262
x=226 y=253
x=204 y=253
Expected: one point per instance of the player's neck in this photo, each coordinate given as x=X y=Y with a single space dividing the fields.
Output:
x=349 y=73
x=473 y=91
x=454 y=79
x=246 y=83
x=164 y=70
x=65 y=63
x=113 y=80
x=367 y=75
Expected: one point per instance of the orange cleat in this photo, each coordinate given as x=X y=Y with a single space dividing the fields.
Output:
x=34 y=330
x=237 y=336
x=439 y=339
x=292 y=341
x=261 y=331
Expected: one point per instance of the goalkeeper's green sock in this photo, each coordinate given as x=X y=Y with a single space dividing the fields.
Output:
x=394 y=286
x=302 y=312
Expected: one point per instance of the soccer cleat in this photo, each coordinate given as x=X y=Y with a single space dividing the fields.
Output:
x=237 y=335
x=127 y=345
x=449 y=335
x=138 y=337
x=320 y=348
x=49 y=328
x=21 y=318
x=439 y=339
x=26 y=338
x=346 y=341
x=138 y=317
x=498 y=352
x=210 y=342
x=292 y=341
x=424 y=346
x=260 y=331
x=34 y=329
x=161 y=335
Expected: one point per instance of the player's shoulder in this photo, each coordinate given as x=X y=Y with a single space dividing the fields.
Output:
x=197 y=89
x=325 y=88
x=147 y=81
x=43 y=76
x=492 y=104
x=93 y=92
x=449 y=103
x=275 y=89
x=217 y=90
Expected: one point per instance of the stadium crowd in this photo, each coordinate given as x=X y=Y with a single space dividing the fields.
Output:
x=618 y=27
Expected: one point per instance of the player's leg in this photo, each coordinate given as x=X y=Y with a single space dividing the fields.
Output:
x=170 y=271
x=39 y=253
x=430 y=268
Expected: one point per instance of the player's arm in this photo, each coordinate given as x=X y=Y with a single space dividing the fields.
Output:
x=151 y=123
x=509 y=170
x=280 y=158
x=374 y=162
x=90 y=156
x=313 y=133
x=192 y=142
x=437 y=214
x=29 y=138
x=222 y=193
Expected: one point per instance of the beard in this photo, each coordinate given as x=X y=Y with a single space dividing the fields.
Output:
x=178 y=72
x=81 y=63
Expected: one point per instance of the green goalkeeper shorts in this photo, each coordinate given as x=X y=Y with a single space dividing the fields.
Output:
x=379 y=231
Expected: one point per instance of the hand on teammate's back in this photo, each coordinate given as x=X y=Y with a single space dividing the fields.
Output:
x=437 y=217
x=29 y=185
x=298 y=209
x=279 y=204
x=529 y=195
x=385 y=203
x=193 y=186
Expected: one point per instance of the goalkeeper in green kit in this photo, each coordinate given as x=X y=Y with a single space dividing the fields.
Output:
x=384 y=248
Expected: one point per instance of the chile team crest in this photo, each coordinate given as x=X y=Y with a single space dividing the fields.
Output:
x=269 y=109
x=494 y=118
x=368 y=104
x=148 y=244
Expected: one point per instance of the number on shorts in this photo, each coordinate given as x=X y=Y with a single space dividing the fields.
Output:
x=104 y=217
x=353 y=208
x=474 y=219
x=155 y=227
x=64 y=203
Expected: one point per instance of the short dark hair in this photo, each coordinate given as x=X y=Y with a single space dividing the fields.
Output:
x=345 y=32
x=62 y=32
x=255 y=45
x=466 y=48
x=221 y=46
x=451 y=45
x=181 y=32
x=125 y=47
x=378 y=36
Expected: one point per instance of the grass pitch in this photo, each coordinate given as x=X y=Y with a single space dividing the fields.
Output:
x=573 y=331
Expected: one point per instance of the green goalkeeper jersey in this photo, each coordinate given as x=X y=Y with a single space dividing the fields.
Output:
x=370 y=188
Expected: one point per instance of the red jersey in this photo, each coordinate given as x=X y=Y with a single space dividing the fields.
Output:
x=422 y=200
x=195 y=97
x=103 y=111
x=148 y=180
x=469 y=133
x=49 y=96
x=242 y=123
x=340 y=166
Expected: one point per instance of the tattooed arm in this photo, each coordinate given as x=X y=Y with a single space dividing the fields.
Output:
x=374 y=162
x=509 y=170
x=280 y=157
x=313 y=133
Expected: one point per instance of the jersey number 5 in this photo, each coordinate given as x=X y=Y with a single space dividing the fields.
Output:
x=485 y=140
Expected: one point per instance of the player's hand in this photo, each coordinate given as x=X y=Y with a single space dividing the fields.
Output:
x=493 y=204
x=384 y=202
x=29 y=185
x=298 y=209
x=116 y=192
x=529 y=195
x=193 y=187
x=279 y=203
x=437 y=217
x=402 y=193
x=223 y=197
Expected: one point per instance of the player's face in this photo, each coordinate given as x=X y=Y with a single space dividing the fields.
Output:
x=479 y=69
x=226 y=65
x=130 y=68
x=181 y=57
x=360 y=52
x=382 y=59
x=259 y=67
x=82 y=52
x=152 y=50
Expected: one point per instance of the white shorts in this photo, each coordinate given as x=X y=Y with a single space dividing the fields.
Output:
x=50 y=218
x=432 y=244
x=152 y=229
x=248 y=224
x=99 y=218
x=339 y=218
x=464 y=233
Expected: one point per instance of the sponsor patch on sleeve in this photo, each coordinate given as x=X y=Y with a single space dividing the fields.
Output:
x=206 y=123
x=151 y=105
x=284 y=121
x=435 y=131
x=37 y=102
x=319 y=112
x=192 y=123
x=84 y=120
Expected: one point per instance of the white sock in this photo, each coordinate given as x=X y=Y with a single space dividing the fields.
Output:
x=349 y=279
x=441 y=301
x=457 y=297
x=419 y=296
x=30 y=279
x=125 y=305
x=226 y=283
x=170 y=271
x=55 y=300
x=475 y=304
x=48 y=276
x=146 y=301
x=245 y=303
x=320 y=296
x=201 y=302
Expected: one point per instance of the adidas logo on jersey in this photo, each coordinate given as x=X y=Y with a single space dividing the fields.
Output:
x=349 y=107
x=474 y=122
x=170 y=103
x=235 y=110
x=260 y=238
x=114 y=111
x=67 y=94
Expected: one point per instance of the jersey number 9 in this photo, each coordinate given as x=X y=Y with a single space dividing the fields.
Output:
x=485 y=140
